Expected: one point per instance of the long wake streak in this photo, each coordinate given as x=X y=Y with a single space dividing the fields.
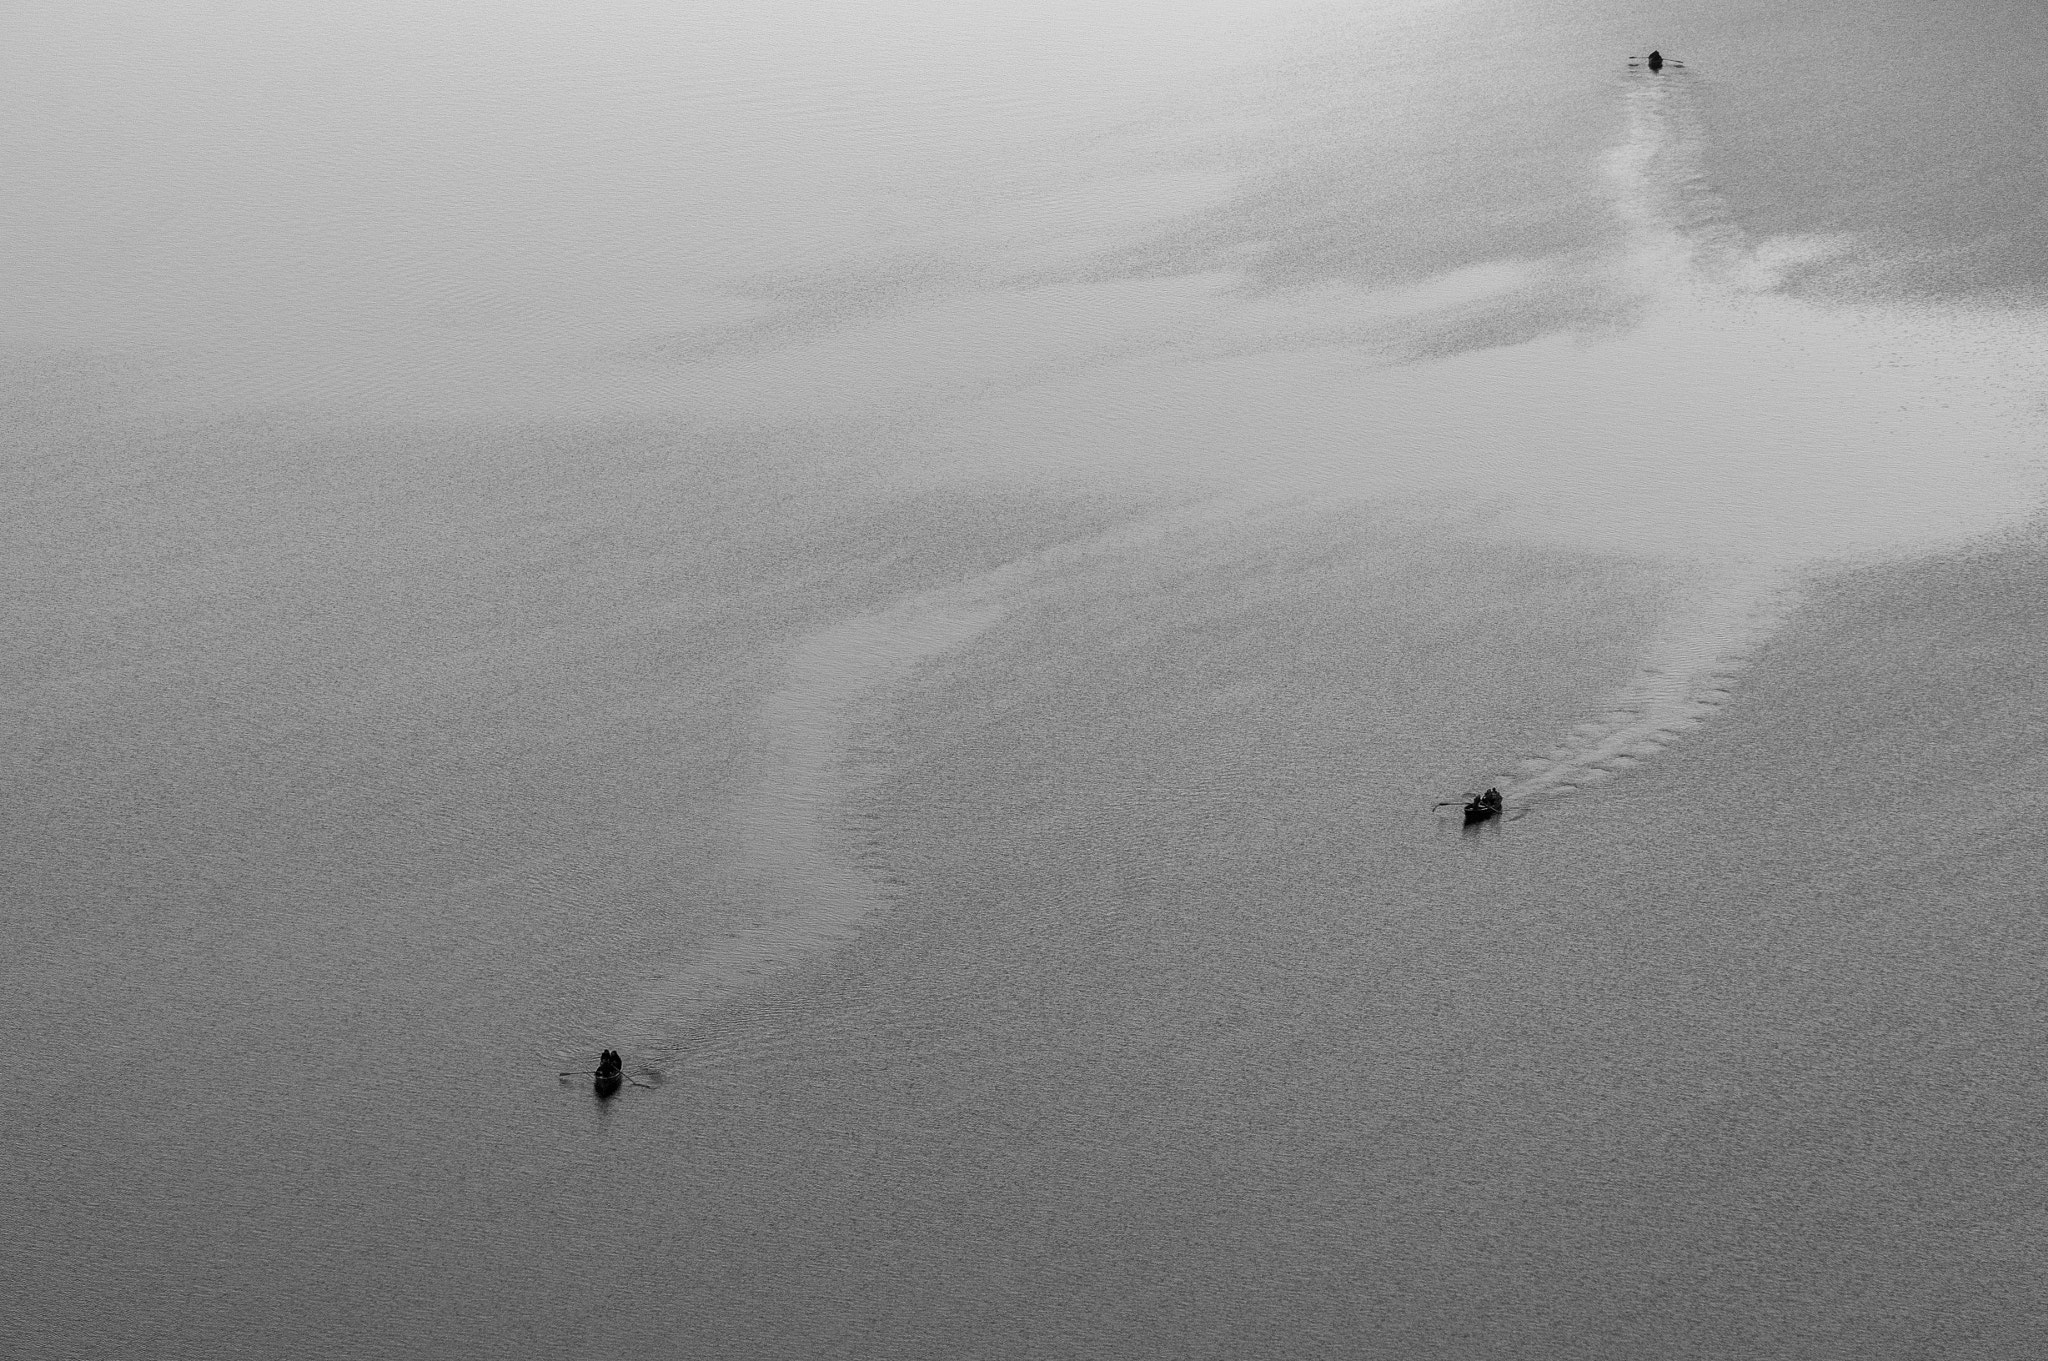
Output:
x=1686 y=676
x=1792 y=434
x=802 y=851
x=1686 y=256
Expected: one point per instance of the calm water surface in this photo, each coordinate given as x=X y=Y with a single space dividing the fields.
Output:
x=918 y=569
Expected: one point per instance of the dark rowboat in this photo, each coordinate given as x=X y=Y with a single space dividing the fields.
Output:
x=1487 y=805
x=610 y=1074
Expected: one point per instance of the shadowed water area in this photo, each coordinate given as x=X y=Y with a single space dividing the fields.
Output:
x=919 y=571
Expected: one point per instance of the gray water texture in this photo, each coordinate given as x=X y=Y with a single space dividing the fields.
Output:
x=920 y=570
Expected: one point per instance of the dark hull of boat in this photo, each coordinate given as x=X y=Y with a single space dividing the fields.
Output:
x=1475 y=816
x=607 y=1084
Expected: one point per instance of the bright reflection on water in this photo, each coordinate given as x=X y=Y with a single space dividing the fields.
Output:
x=917 y=567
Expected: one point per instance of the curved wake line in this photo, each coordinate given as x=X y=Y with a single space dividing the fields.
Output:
x=1797 y=433
x=1682 y=240
x=1684 y=680
x=800 y=847
x=1685 y=254
x=793 y=844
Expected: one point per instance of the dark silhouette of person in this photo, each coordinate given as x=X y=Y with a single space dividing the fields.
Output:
x=1656 y=60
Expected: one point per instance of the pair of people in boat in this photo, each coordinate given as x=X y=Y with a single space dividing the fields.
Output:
x=610 y=1064
x=1485 y=806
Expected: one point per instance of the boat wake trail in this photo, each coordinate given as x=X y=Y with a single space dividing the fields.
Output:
x=802 y=849
x=1682 y=242
x=1767 y=434
x=1690 y=262
x=1687 y=675
x=1714 y=306
x=798 y=852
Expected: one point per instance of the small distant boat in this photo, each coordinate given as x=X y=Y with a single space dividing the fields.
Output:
x=1478 y=807
x=610 y=1074
x=1656 y=61
x=1482 y=807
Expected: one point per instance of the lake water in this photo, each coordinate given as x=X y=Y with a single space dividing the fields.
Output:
x=919 y=569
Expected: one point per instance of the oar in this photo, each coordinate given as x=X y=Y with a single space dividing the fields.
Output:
x=576 y=1072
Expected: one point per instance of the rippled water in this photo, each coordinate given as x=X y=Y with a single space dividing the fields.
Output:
x=919 y=569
